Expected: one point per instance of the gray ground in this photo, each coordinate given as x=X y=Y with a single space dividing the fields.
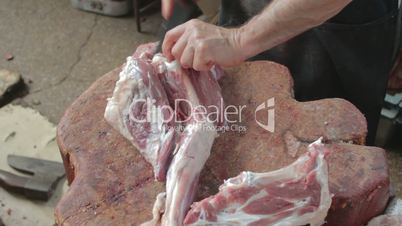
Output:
x=63 y=50
x=60 y=51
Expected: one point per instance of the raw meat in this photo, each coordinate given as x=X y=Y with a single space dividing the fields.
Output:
x=186 y=88
x=148 y=92
x=199 y=91
x=139 y=110
x=295 y=195
x=178 y=98
x=184 y=172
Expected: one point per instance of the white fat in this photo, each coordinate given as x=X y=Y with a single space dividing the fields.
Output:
x=165 y=65
x=157 y=210
x=184 y=169
x=118 y=105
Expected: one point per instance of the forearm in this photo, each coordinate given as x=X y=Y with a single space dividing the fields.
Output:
x=282 y=20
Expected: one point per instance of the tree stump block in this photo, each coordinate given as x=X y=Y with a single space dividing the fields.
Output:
x=112 y=184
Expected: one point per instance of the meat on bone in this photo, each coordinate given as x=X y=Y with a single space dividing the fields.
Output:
x=294 y=195
x=180 y=154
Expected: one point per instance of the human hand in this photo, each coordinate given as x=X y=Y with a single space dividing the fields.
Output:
x=199 y=45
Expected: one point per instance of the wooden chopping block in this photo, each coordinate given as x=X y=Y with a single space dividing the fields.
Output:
x=112 y=184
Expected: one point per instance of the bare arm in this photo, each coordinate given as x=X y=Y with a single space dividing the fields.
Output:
x=284 y=19
x=200 y=45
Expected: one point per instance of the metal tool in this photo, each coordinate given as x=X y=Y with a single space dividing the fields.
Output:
x=183 y=11
x=45 y=175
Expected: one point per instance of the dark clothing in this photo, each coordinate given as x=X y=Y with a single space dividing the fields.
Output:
x=350 y=56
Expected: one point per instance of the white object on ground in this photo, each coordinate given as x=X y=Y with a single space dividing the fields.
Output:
x=25 y=132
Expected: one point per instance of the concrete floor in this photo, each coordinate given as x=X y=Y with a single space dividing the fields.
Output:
x=60 y=51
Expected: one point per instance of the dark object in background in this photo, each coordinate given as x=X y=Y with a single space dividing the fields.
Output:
x=104 y=7
x=390 y=125
x=117 y=7
x=183 y=11
x=11 y=86
x=140 y=7
x=45 y=175
x=341 y=57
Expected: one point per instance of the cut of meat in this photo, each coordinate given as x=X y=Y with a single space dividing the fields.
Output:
x=190 y=90
x=148 y=92
x=139 y=110
x=295 y=195
x=182 y=179
x=152 y=101
x=199 y=92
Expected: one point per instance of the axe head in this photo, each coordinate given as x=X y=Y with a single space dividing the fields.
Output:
x=45 y=175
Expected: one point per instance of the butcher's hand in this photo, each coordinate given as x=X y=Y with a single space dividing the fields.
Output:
x=199 y=45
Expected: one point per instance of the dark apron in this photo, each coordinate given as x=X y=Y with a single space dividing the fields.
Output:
x=350 y=56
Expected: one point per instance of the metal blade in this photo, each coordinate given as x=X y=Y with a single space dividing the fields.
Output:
x=36 y=166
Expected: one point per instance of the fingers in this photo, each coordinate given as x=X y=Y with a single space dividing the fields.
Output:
x=187 y=57
x=201 y=61
x=179 y=46
x=188 y=44
x=170 y=39
x=167 y=8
